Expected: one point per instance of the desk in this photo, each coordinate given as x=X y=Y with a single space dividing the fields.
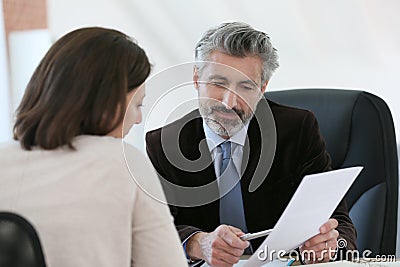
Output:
x=328 y=264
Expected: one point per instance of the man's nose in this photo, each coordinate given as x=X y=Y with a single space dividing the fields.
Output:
x=229 y=99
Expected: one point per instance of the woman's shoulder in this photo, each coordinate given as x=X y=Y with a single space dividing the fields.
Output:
x=107 y=147
x=9 y=146
x=9 y=151
x=126 y=158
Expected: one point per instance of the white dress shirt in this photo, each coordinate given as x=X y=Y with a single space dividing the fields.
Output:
x=214 y=140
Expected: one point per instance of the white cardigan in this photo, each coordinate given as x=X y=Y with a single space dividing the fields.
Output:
x=88 y=208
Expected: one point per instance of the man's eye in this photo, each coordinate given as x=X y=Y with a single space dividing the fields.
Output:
x=222 y=85
x=247 y=88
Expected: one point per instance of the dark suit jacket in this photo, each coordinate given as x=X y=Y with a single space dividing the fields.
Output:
x=300 y=150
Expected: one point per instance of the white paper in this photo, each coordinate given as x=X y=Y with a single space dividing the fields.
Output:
x=312 y=205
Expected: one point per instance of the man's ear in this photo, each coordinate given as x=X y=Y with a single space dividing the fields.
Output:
x=264 y=87
x=196 y=77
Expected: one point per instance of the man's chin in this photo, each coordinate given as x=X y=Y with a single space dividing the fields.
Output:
x=223 y=128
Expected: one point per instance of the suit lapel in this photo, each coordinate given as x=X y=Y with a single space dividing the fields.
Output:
x=194 y=147
x=258 y=154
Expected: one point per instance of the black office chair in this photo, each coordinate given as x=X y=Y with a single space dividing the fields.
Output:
x=358 y=129
x=19 y=243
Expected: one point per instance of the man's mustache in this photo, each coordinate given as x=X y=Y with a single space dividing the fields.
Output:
x=239 y=112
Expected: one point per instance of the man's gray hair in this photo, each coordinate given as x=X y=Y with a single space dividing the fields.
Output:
x=239 y=39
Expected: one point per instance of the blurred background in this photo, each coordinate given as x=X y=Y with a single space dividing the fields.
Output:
x=352 y=44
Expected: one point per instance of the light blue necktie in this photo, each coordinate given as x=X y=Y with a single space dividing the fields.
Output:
x=231 y=210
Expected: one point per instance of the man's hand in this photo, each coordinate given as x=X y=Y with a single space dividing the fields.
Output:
x=321 y=247
x=220 y=248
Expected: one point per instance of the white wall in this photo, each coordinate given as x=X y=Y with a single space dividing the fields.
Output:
x=5 y=116
x=26 y=49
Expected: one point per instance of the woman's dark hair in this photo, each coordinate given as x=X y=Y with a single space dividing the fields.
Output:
x=80 y=87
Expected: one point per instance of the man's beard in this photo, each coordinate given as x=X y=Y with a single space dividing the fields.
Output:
x=223 y=126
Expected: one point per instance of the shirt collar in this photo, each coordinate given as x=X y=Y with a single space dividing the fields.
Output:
x=214 y=140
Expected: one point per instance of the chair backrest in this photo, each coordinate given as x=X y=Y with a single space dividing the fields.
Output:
x=358 y=130
x=19 y=243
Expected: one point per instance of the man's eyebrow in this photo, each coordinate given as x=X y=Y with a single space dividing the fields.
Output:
x=217 y=77
x=251 y=82
x=220 y=77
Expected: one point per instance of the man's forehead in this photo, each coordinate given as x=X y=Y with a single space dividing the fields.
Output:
x=224 y=64
x=213 y=70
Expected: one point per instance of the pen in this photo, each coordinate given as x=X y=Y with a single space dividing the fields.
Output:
x=250 y=236
x=290 y=262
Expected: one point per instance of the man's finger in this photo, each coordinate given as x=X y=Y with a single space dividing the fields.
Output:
x=218 y=263
x=237 y=231
x=218 y=253
x=321 y=238
x=227 y=257
x=329 y=244
x=236 y=252
x=231 y=238
x=220 y=246
x=329 y=225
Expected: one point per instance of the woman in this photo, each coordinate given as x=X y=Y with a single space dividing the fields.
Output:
x=67 y=173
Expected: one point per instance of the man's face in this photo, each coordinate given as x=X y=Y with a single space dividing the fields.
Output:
x=228 y=91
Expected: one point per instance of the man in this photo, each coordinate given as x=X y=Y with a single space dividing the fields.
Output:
x=231 y=135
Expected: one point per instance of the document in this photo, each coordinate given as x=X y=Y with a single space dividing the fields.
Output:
x=312 y=205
